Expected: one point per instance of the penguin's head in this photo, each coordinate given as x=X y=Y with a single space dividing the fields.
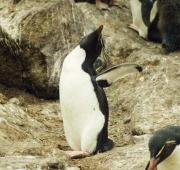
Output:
x=92 y=44
x=162 y=144
x=146 y=8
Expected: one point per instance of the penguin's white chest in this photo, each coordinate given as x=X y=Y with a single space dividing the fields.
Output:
x=172 y=162
x=82 y=118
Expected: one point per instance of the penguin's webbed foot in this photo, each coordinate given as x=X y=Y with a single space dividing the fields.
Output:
x=108 y=145
x=77 y=154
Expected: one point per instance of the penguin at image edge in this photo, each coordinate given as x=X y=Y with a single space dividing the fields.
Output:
x=83 y=102
x=147 y=30
x=168 y=22
x=164 y=147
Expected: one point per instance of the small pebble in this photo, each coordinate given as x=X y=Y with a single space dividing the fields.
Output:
x=72 y=168
x=15 y=101
x=127 y=120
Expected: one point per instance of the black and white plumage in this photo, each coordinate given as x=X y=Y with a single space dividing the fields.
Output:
x=164 y=147
x=83 y=101
x=138 y=10
x=167 y=21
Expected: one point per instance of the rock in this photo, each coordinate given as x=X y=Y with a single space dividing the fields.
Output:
x=140 y=139
x=127 y=120
x=30 y=163
x=29 y=138
x=53 y=165
x=72 y=168
x=34 y=39
x=15 y=101
x=3 y=99
x=138 y=131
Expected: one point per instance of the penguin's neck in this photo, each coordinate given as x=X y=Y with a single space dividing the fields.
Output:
x=75 y=59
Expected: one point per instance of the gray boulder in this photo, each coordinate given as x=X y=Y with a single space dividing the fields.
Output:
x=35 y=36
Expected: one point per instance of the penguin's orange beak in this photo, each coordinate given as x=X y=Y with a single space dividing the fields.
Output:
x=100 y=29
x=153 y=164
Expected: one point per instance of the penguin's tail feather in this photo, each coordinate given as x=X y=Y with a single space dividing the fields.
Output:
x=113 y=74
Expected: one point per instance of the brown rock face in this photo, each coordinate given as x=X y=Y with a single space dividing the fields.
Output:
x=34 y=38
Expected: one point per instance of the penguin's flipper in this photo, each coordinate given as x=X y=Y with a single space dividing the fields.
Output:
x=109 y=76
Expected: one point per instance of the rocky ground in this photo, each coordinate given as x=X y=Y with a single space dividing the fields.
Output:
x=31 y=132
x=31 y=137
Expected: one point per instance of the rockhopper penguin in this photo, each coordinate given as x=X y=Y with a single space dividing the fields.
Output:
x=83 y=102
x=167 y=21
x=164 y=147
x=146 y=30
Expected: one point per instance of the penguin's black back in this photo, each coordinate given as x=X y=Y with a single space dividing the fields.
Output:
x=103 y=143
x=93 y=44
x=169 y=23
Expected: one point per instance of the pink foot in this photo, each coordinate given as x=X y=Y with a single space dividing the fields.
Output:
x=77 y=154
x=132 y=26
